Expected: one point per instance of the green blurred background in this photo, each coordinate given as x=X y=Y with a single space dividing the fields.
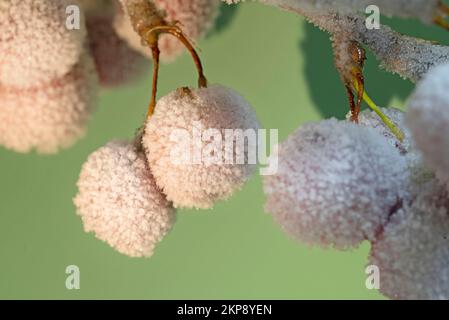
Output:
x=284 y=68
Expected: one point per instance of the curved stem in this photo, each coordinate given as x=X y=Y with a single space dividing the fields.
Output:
x=152 y=36
x=388 y=122
x=156 y=54
x=177 y=32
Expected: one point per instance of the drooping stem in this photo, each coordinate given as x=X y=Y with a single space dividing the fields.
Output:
x=388 y=122
x=156 y=54
x=202 y=81
x=151 y=37
x=177 y=32
x=150 y=24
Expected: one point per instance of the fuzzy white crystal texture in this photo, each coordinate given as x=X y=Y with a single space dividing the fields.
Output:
x=336 y=185
x=119 y=201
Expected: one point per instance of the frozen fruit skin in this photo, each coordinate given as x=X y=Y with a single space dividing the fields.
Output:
x=419 y=172
x=195 y=18
x=194 y=182
x=336 y=184
x=119 y=201
x=115 y=61
x=50 y=116
x=35 y=44
x=428 y=119
x=412 y=253
x=370 y=119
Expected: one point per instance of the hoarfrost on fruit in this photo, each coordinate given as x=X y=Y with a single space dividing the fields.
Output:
x=428 y=119
x=200 y=184
x=412 y=253
x=50 y=116
x=336 y=183
x=119 y=201
x=35 y=44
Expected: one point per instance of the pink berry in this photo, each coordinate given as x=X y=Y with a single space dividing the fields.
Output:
x=35 y=44
x=336 y=183
x=412 y=252
x=195 y=182
x=49 y=116
x=119 y=201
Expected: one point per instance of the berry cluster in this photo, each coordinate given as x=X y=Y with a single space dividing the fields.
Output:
x=339 y=184
x=380 y=176
x=50 y=74
x=127 y=190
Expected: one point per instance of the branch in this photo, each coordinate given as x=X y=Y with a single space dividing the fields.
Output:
x=406 y=56
x=425 y=10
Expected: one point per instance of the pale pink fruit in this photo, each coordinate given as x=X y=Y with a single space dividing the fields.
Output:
x=49 y=116
x=35 y=44
x=119 y=201
x=199 y=181
x=412 y=253
x=336 y=183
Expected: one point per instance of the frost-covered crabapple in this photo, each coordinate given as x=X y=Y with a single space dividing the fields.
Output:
x=119 y=201
x=336 y=183
x=412 y=252
x=35 y=44
x=428 y=119
x=51 y=115
x=193 y=182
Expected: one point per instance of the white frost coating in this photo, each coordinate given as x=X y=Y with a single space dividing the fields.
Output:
x=50 y=116
x=412 y=253
x=35 y=44
x=118 y=200
x=336 y=184
x=419 y=173
x=195 y=18
x=425 y=10
x=406 y=56
x=428 y=119
x=370 y=119
x=194 y=184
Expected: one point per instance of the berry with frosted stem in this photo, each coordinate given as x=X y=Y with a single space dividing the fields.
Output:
x=195 y=173
x=150 y=24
